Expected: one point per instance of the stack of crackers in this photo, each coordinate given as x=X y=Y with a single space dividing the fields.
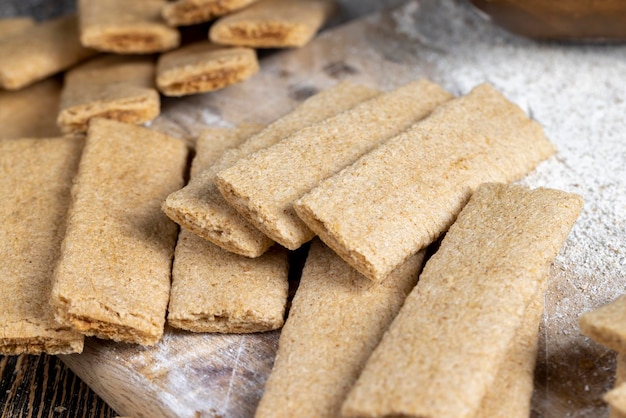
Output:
x=422 y=290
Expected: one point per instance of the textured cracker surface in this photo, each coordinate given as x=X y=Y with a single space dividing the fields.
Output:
x=199 y=206
x=336 y=319
x=10 y=26
x=273 y=23
x=264 y=186
x=125 y=27
x=468 y=304
x=35 y=180
x=112 y=87
x=416 y=183
x=204 y=66
x=113 y=278
x=617 y=397
x=40 y=51
x=190 y=12
x=214 y=290
x=30 y=112
x=607 y=324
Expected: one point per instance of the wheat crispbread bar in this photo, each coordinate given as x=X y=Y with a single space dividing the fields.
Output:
x=204 y=66
x=443 y=351
x=191 y=12
x=214 y=290
x=607 y=324
x=38 y=52
x=336 y=319
x=112 y=87
x=126 y=27
x=12 y=25
x=199 y=206
x=31 y=112
x=113 y=277
x=402 y=196
x=34 y=198
x=264 y=186
x=273 y=23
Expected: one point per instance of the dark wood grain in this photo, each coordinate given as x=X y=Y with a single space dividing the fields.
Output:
x=42 y=386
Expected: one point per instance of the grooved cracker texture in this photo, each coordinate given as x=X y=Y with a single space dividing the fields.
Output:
x=264 y=186
x=443 y=351
x=191 y=12
x=35 y=180
x=113 y=277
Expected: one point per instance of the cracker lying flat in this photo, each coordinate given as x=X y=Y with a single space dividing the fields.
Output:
x=34 y=197
x=191 y=12
x=199 y=206
x=214 y=290
x=112 y=87
x=405 y=194
x=445 y=347
x=273 y=23
x=126 y=27
x=263 y=186
x=10 y=26
x=204 y=66
x=607 y=325
x=113 y=278
x=336 y=320
x=40 y=51
x=30 y=112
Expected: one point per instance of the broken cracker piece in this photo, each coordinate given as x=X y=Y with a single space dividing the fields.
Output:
x=607 y=324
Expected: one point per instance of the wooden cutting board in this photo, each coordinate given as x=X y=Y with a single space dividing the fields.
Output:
x=576 y=91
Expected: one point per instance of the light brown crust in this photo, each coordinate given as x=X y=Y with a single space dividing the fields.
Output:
x=40 y=51
x=191 y=12
x=444 y=349
x=336 y=319
x=204 y=66
x=402 y=196
x=113 y=278
x=199 y=206
x=273 y=23
x=112 y=87
x=33 y=206
x=10 y=26
x=141 y=31
x=607 y=324
x=264 y=186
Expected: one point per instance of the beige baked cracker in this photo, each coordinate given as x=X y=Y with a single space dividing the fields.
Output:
x=617 y=397
x=402 y=196
x=30 y=112
x=204 y=66
x=113 y=277
x=264 y=186
x=191 y=12
x=34 y=197
x=273 y=23
x=214 y=290
x=443 y=351
x=336 y=319
x=112 y=87
x=126 y=27
x=607 y=324
x=12 y=25
x=199 y=206
x=38 y=52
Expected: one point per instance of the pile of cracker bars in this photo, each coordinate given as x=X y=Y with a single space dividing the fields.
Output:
x=91 y=246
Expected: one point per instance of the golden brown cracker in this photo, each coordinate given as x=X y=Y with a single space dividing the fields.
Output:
x=12 y=25
x=191 y=12
x=607 y=324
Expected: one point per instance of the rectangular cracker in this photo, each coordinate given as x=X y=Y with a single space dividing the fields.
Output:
x=204 y=66
x=199 y=206
x=264 y=186
x=34 y=198
x=113 y=277
x=40 y=51
x=214 y=290
x=31 y=112
x=273 y=23
x=445 y=347
x=126 y=27
x=607 y=324
x=402 y=196
x=112 y=87
x=12 y=25
x=191 y=12
x=336 y=319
